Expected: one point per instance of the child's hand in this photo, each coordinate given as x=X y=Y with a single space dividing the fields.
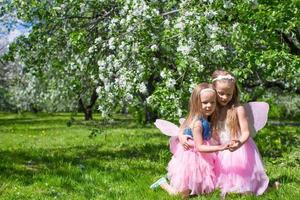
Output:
x=224 y=146
x=184 y=141
x=234 y=145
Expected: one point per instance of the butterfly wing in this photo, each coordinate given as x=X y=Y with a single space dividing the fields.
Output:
x=166 y=127
x=257 y=114
x=173 y=143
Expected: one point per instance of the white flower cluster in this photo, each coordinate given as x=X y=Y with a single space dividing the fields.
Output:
x=209 y=14
x=228 y=4
x=217 y=48
x=212 y=30
x=170 y=83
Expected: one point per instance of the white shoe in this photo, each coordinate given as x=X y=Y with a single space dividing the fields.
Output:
x=158 y=183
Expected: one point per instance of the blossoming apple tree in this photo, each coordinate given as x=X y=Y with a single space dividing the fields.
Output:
x=145 y=57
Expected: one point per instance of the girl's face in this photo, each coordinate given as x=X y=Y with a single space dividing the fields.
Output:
x=208 y=102
x=224 y=92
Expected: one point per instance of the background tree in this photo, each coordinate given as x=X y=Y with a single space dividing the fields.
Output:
x=146 y=56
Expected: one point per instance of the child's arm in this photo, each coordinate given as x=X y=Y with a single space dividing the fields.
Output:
x=183 y=139
x=244 y=128
x=198 y=139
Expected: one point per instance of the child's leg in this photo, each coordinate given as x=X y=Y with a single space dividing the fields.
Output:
x=162 y=182
x=167 y=187
x=171 y=191
x=185 y=194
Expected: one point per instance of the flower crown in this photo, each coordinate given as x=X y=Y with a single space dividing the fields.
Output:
x=224 y=77
x=207 y=90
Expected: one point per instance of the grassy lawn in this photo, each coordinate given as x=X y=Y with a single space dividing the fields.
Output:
x=43 y=158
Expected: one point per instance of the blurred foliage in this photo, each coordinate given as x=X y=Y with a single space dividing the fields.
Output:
x=284 y=106
x=277 y=141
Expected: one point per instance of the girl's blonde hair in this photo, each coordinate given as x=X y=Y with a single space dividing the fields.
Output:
x=231 y=115
x=195 y=108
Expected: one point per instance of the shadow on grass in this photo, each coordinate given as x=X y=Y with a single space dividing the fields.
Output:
x=114 y=123
x=31 y=121
x=99 y=124
x=30 y=166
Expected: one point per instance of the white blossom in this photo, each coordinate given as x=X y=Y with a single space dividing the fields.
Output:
x=211 y=30
x=98 y=40
x=142 y=88
x=163 y=74
x=107 y=87
x=170 y=83
x=210 y=14
x=201 y=68
x=179 y=112
x=192 y=86
x=228 y=4
x=128 y=97
x=101 y=63
x=149 y=100
x=167 y=22
x=235 y=25
x=122 y=82
x=180 y=25
x=98 y=89
x=184 y=49
x=111 y=43
x=217 y=47
x=156 y=12
x=154 y=47
x=123 y=21
x=253 y=2
x=209 y=1
x=92 y=49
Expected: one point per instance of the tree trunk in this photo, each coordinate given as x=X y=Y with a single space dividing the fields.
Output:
x=150 y=115
x=88 y=110
x=88 y=114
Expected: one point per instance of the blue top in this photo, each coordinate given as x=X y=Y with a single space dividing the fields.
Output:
x=206 y=133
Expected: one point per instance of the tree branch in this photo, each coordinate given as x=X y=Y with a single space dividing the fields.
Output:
x=269 y=85
x=2 y=62
x=294 y=49
x=81 y=104
x=170 y=12
x=93 y=99
x=297 y=33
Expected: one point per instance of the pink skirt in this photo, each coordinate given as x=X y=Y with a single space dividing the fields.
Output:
x=191 y=169
x=241 y=171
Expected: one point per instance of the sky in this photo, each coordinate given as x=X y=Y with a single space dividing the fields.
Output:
x=10 y=29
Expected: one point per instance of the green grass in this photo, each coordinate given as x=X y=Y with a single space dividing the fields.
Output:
x=43 y=158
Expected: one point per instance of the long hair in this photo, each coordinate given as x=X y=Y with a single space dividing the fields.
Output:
x=195 y=108
x=231 y=115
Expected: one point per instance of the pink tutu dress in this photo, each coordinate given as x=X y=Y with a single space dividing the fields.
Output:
x=191 y=169
x=240 y=171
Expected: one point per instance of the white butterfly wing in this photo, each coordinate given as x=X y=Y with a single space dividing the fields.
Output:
x=257 y=114
x=166 y=127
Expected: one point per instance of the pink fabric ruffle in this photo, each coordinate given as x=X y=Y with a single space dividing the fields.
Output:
x=241 y=171
x=191 y=169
